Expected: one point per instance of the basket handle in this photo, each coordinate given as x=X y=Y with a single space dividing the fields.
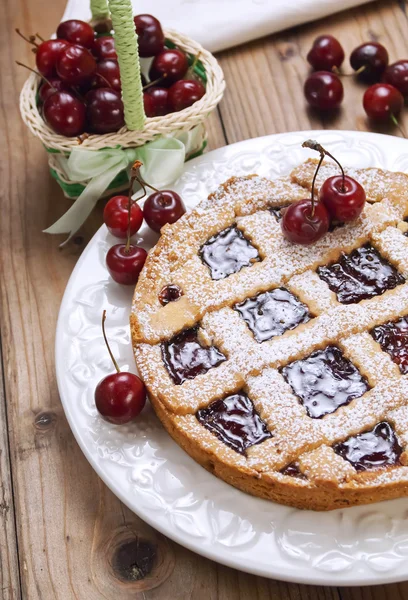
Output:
x=128 y=57
x=99 y=9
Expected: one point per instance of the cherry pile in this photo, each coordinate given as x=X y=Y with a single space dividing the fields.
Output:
x=123 y=217
x=81 y=89
x=382 y=101
x=341 y=200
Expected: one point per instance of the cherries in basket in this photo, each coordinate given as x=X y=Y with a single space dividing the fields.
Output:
x=81 y=88
x=341 y=200
x=123 y=217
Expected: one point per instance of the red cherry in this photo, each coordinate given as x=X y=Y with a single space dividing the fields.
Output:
x=65 y=114
x=148 y=105
x=76 y=65
x=397 y=75
x=150 y=35
x=161 y=208
x=325 y=53
x=104 y=48
x=124 y=264
x=104 y=110
x=373 y=57
x=171 y=65
x=47 y=55
x=107 y=74
x=51 y=86
x=159 y=102
x=300 y=227
x=115 y=216
x=382 y=101
x=120 y=397
x=76 y=32
x=323 y=90
x=343 y=198
x=184 y=93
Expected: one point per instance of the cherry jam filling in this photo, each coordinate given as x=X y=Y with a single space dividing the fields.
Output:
x=371 y=450
x=169 y=293
x=393 y=338
x=324 y=381
x=293 y=471
x=272 y=313
x=185 y=358
x=235 y=422
x=228 y=252
x=359 y=275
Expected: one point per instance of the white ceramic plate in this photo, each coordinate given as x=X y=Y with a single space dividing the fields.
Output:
x=153 y=476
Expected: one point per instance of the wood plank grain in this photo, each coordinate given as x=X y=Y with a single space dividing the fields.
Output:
x=9 y=571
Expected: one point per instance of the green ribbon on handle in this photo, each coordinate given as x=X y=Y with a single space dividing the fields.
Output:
x=162 y=159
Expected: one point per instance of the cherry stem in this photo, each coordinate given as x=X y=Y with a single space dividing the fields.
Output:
x=107 y=343
x=313 y=145
x=396 y=123
x=313 y=183
x=337 y=71
x=37 y=73
x=30 y=40
x=40 y=37
x=151 y=83
x=138 y=177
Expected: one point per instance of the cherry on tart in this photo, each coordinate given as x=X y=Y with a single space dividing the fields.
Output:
x=47 y=55
x=397 y=75
x=119 y=397
x=382 y=102
x=76 y=32
x=170 y=65
x=104 y=48
x=343 y=197
x=184 y=93
x=107 y=74
x=325 y=53
x=305 y=222
x=150 y=35
x=323 y=90
x=104 y=111
x=161 y=208
x=369 y=60
x=65 y=114
x=75 y=65
x=116 y=216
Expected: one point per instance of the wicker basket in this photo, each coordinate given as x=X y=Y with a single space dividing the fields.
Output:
x=170 y=124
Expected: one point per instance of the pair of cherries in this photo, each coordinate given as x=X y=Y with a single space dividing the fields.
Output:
x=324 y=90
x=341 y=200
x=124 y=217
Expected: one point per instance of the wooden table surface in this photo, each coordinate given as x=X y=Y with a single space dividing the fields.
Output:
x=63 y=534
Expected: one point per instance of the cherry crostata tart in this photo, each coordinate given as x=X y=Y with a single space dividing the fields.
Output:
x=282 y=368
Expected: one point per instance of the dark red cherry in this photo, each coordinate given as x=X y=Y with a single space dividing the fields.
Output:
x=150 y=35
x=104 y=48
x=148 y=105
x=323 y=90
x=325 y=53
x=124 y=264
x=104 y=110
x=161 y=208
x=397 y=75
x=107 y=74
x=48 y=54
x=184 y=93
x=120 y=397
x=116 y=215
x=76 y=32
x=50 y=86
x=160 y=101
x=343 y=198
x=65 y=114
x=373 y=57
x=76 y=65
x=170 y=64
x=382 y=101
x=300 y=226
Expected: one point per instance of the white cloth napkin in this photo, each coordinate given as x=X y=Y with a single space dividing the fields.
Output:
x=220 y=24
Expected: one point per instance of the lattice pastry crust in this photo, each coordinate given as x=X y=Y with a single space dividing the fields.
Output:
x=296 y=458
